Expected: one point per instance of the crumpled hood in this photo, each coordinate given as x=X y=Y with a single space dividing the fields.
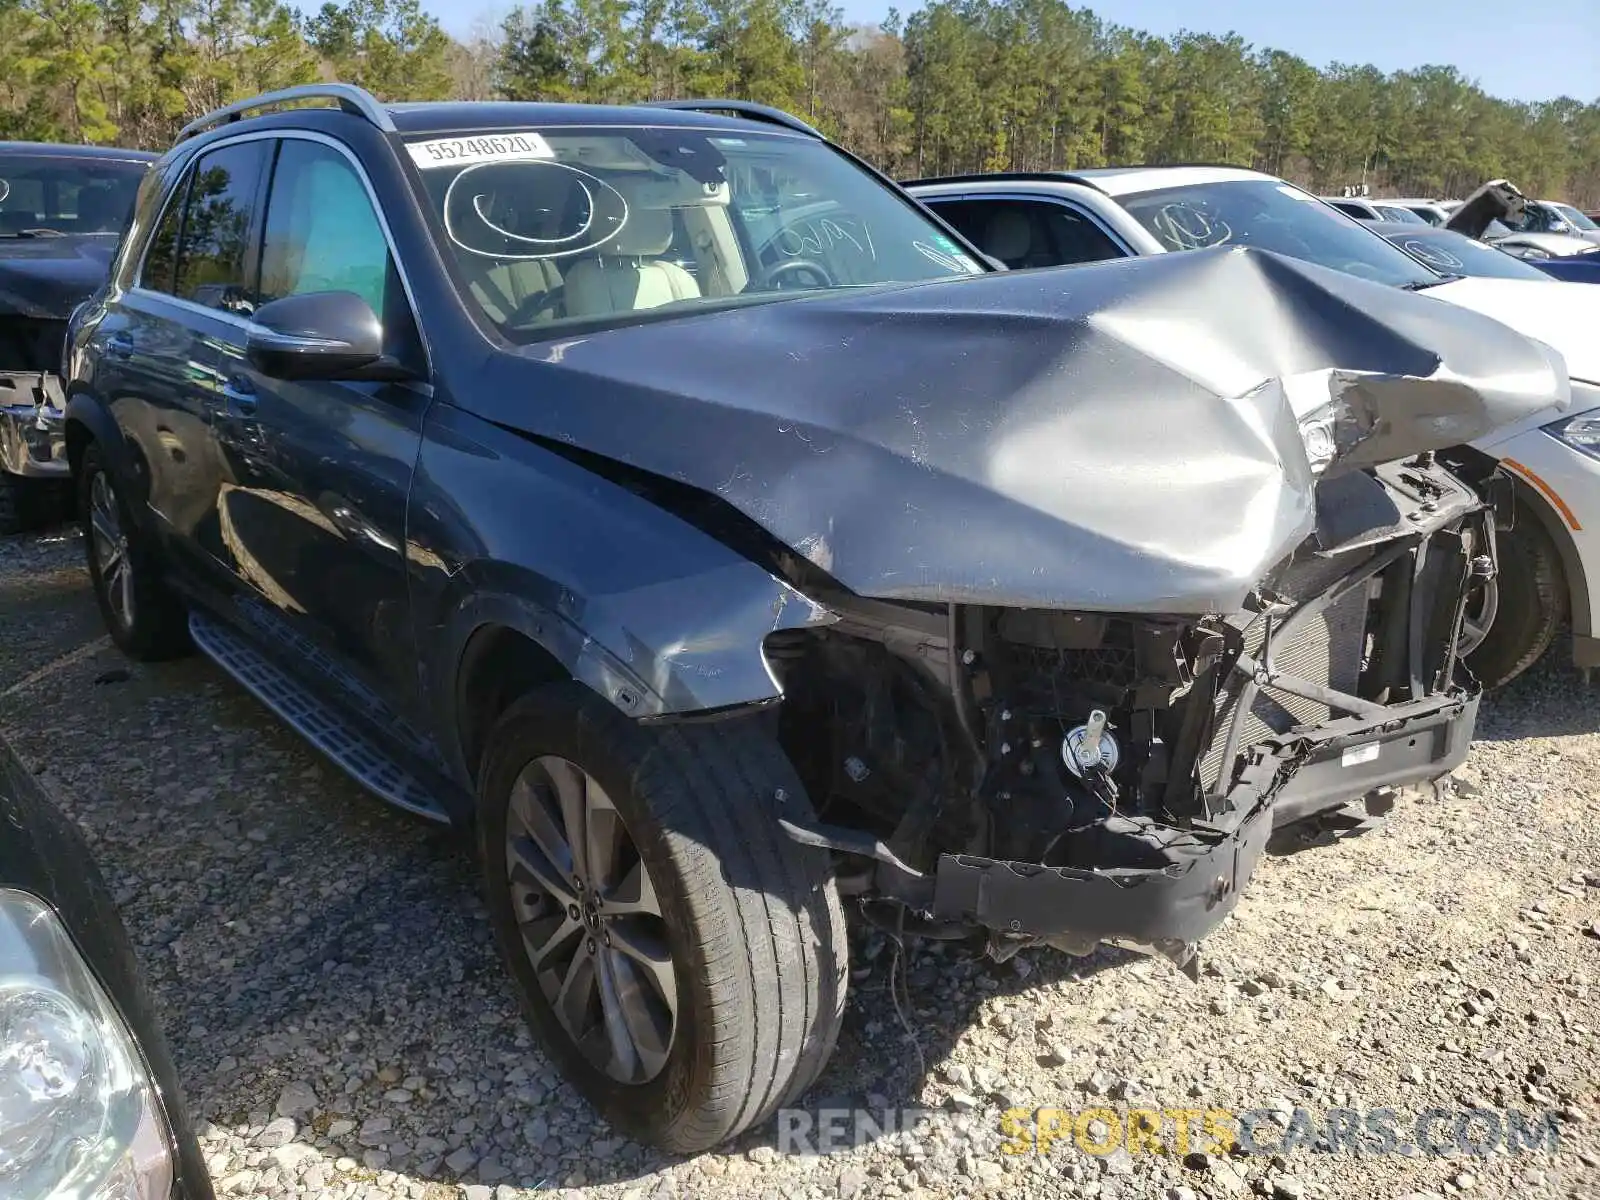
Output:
x=47 y=277
x=1113 y=437
x=1563 y=315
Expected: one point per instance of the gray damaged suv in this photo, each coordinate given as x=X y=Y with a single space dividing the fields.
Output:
x=668 y=500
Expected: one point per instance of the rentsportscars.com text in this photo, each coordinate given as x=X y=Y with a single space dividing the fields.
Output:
x=1103 y=1130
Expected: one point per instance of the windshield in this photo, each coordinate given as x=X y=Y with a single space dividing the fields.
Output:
x=47 y=195
x=1452 y=253
x=597 y=225
x=1576 y=217
x=1392 y=212
x=1269 y=215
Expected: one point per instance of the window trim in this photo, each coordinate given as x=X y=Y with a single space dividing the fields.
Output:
x=278 y=136
x=178 y=195
x=1094 y=218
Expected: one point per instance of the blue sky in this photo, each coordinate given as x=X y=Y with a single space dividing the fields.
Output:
x=1518 y=51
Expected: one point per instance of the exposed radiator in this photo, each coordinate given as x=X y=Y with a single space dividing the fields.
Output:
x=1326 y=649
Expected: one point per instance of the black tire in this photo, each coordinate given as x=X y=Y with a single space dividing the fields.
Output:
x=752 y=920
x=1532 y=597
x=158 y=626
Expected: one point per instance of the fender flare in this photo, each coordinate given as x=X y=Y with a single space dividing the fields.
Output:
x=585 y=655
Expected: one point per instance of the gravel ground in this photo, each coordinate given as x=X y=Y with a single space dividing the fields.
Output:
x=344 y=1029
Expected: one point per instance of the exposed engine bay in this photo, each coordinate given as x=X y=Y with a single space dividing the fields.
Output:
x=1070 y=778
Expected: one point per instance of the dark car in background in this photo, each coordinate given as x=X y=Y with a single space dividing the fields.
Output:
x=89 y=1103
x=1574 y=268
x=1452 y=253
x=62 y=209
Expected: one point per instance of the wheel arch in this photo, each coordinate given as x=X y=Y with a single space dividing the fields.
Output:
x=88 y=420
x=1575 y=584
x=498 y=663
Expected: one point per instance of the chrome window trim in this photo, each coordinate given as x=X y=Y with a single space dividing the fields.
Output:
x=305 y=135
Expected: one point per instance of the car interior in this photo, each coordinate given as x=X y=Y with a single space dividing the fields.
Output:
x=1027 y=233
x=64 y=201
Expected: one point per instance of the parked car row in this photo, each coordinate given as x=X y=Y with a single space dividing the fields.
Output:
x=62 y=209
x=714 y=531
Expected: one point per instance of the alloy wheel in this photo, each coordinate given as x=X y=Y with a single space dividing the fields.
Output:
x=111 y=549
x=591 y=921
x=1480 y=615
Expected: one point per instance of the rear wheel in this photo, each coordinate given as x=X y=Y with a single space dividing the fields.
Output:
x=1517 y=615
x=142 y=615
x=682 y=960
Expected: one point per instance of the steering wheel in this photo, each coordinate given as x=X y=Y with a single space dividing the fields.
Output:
x=802 y=267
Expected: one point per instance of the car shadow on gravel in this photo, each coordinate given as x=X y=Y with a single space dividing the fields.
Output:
x=319 y=983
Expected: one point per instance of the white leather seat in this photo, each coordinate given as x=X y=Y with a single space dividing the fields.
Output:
x=517 y=286
x=628 y=274
x=1008 y=236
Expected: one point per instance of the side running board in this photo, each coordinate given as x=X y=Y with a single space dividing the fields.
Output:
x=346 y=743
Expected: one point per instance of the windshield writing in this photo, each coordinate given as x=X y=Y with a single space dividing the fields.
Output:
x=1269 y=215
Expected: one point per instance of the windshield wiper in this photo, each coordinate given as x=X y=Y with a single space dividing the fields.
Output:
x=1422 y=285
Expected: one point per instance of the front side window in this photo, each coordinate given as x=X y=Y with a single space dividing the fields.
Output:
x=598 y=225
x=322 y=234
x=1269 y=215
x=1027 y=233
x=214 y=260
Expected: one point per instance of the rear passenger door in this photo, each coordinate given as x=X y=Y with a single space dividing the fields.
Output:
x=157 y=350
x=318 y=522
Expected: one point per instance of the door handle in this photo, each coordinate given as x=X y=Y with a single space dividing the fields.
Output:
x=241 y=400
x=120 y=345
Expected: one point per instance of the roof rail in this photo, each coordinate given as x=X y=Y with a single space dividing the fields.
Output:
x=1006 y=177
x=351 y=99
x=748 y=109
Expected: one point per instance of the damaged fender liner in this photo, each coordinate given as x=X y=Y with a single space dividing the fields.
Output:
x=1210 y=864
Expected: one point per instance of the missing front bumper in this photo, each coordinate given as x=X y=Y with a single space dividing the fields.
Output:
x=33 y=426
x=1208 y=867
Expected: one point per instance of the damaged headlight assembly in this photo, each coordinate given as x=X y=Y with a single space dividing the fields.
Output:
x=1331 y=425
x=80 y=1118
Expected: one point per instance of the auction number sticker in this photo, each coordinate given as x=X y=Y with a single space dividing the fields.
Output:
x=489 y=147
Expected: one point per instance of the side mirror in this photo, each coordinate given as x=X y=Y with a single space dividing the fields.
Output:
x=319 y=335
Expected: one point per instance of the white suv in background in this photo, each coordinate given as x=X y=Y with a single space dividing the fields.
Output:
x=1550 y=554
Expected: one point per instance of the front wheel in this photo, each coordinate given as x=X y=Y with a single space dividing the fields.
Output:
x=682 y=961
x=1516 y=616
